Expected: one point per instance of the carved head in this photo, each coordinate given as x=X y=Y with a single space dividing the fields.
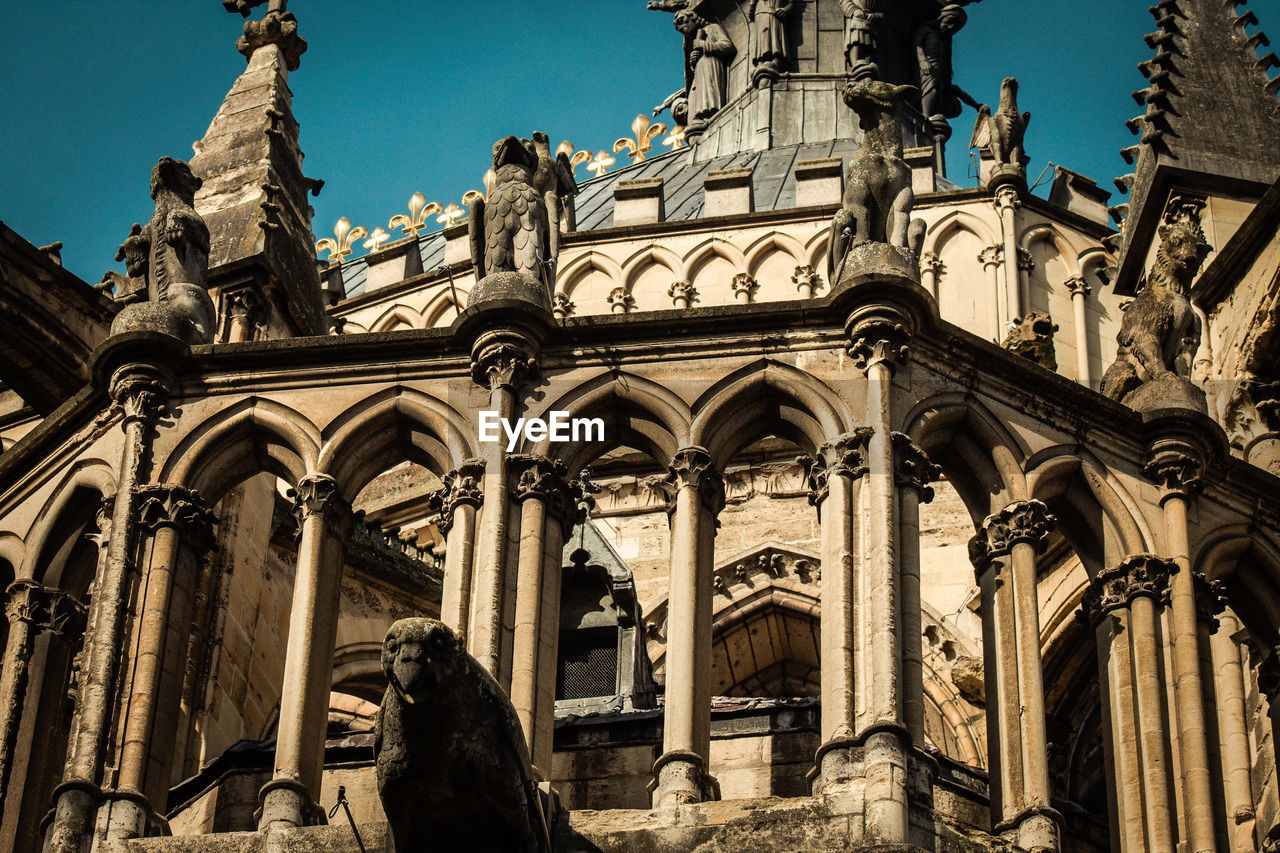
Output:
x=1009 y=88
x=176 y=177
x=1035 y=326
x=689 y=22
x=513 y=150
x=418 y=656
x=870 y=98
x=1183 y=249
x=541 y=143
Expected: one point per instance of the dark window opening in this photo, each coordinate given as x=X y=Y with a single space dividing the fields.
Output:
x=588 y=665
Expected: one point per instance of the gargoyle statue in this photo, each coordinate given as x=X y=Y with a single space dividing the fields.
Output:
x=1032 y=338
x=553 y=179
x=1160 y=332
x=171 y=252
x=1002 y=134
x=453 y=770
x=509 y=229
x=877 y=197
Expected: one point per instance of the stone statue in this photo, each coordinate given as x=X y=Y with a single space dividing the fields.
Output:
x=553 y=180
x=509 y=231
x=1001 y=134
x=1032 y=338
x=708 y=52
x=667 y=5
x=933 y=39
x=453 y=770
x=877 y=197
x=171 y=253
x=1160 y=332
x=861 y=19
x=678 y=102
x=771 y=53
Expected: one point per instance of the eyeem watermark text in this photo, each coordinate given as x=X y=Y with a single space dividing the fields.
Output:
x=556 y=427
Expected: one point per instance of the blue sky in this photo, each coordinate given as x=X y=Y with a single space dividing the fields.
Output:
x=398 y=97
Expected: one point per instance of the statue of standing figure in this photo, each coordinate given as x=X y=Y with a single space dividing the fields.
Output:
x=708 y=52
x=861 y=18
x=933 y=38
x=772 y=52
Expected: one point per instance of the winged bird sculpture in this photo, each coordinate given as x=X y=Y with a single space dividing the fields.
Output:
x=1001 y=134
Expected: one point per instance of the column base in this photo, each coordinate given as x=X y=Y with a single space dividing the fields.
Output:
x=128 y=814
x=1037 y=829
x=680 y=777
x=284 y=803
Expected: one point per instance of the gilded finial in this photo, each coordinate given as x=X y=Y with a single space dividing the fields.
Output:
x=471 y=195
x=339 y=245
x=599 y=164
x=645 y=132
x=676 y=140
x=376 y=239
x=450 y=215
x=419 y=210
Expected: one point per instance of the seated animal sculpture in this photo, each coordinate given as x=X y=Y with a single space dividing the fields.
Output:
x=1160 y=332
x=453 y=770
x=171 y=254
x=878 y=197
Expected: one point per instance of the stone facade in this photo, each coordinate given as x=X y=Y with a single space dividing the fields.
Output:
x=841 y=571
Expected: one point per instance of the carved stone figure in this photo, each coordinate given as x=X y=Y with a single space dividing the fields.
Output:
x=771 y=53
x=1160 y=332
x=933 y=39
x=508 y=229
x=171 y=253
x=678 y=102
x=553 y=180
x=1001 y=134
x=708 y=52
x=861 y=19
x=1032 y=338
x=453 y=770
x=877 y=197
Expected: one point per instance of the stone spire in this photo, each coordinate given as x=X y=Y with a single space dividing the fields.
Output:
x=1211 y=120
x=254 y=194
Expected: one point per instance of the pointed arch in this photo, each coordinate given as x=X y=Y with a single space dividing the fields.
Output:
x=247 y=438
x=396 y=316
x=653 y=253
x=389 y=427
x=1247 y=561
x=436 y=309
x=1046 y=233
x=816 y=250
x=773 y=241
x=638 y=412
x=575 y=270
x=88 y=480
x=958 y=220
x=767 y=396
x=712 y=247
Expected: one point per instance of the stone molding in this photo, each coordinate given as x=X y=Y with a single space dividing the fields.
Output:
x=771 y=563
x=991 y=256
x=502 y=365
x=691 y=466
x=844 y=455
x=318 y=494
x=278 y=28
x=547 y=480
x=878 y=340
x=913 y=469
x=1021 y=521
x=1175 y=470
x=1136 y=575
x=183 y=509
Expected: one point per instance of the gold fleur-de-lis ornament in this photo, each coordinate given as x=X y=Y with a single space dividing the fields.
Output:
x=599 y=164
x=419 y=210
x=645 y=132
x=339 y=245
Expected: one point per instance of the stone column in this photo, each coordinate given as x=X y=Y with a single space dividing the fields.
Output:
x=1007 y=203
x=1237 y=786
x=878 y=343
x=1124 y=604
x=914 y=472
x=680 y=774
x=1004 y=553
x=839 y=465
x=457 y=503
x=169 y=519
x=990 y=259
x=245 y=312
x=324 y=520
x=138 y=391
x=541 y=490
x=500 y=367
x=1175 y=465
x=1269 y=686
x=1026 y=264
x=1079 y=295
x=931 y=267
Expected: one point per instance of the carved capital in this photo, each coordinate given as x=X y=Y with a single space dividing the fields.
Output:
x=692 y=467
x=44 y=609
x=806 y=280
x=744 y=286
x=279 y=28
x=23 y=602
x=991 y=256
x=159 y=506
x=1028 y=521
x=319 y=495
x=681 y=293
x=139 y=395
x=1008 y=198
x=546 y=480
x=845 y=455
x=1136 y=575
x=461 y=487
x=1176 y=470
x=878 y=340
x=562 y=306
x=1211 y=600
x=931 y=263
x=913 y=469
x=502 y=365
x=1269 y=680
x=1266 y=400
x=621 y=301
x=1026 y=263
x=1078 y=286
